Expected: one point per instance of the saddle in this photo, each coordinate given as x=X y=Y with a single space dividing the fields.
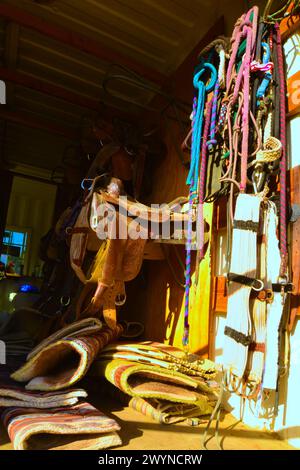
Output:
x=120 y=227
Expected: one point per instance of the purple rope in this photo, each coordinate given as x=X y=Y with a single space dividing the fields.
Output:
x=202 y=179
x=188 y=259
x=213 y=123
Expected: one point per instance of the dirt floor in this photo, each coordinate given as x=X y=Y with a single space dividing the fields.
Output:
x=141 y=433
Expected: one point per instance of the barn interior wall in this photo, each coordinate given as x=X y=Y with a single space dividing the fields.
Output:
x=162 y=303
x=31 y=208
x=163 y=306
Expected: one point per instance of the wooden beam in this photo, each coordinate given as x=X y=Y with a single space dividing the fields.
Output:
x=11 y=47
x=78 y=41
x=36 y=123
x=10 y=56
x=47 y=88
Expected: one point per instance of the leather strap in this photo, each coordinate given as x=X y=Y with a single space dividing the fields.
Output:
x=246 y=225
x=239 y=337
x=109 y=303
x=287 y=288
x=245 y=280
x=72 y=230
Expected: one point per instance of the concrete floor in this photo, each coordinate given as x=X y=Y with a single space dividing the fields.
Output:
x=141 y=433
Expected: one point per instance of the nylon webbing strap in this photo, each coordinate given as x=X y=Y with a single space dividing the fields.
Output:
x=246 y=225
x=239 y=337
x=280 y=287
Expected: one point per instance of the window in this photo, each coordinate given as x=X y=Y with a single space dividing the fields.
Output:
x=14 y=244
x=292 y=57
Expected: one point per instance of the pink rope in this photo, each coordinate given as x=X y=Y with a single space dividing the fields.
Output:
x=235 y=40
x=245 y=28
x=202 y=180
x=283 y=161
x=245 y=120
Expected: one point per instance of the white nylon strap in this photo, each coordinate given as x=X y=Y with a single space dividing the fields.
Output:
x=244 y=262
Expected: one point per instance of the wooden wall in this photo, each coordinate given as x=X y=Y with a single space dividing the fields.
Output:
x=155 y=297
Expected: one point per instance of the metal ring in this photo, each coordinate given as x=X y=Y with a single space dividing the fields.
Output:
x=209 y=87
x=118 y=302
x=259 y=288
x=85 y=180
x=65 y=300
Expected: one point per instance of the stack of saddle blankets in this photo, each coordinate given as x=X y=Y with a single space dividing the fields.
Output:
x=49 y=412
x=159 y=380
x=42 y=409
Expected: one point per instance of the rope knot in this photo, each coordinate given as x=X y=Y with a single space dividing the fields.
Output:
x=256 y=66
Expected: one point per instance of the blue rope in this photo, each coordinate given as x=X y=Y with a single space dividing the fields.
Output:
x=267 y=76
x=192 y=179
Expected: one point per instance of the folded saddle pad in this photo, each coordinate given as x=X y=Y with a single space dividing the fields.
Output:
x=161 y=411
x=164 y=412
x=80 y=427
x=85 y=327
x=151 y=381
x=63 y=362
x=14 y=394
x=162 y=355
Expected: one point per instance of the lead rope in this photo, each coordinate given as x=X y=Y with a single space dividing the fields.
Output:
x=192 y=179
x=283 y=162
x=208 y=144
x=283 y=274
x=185 y=338
x=201 y=191
x=246 y=27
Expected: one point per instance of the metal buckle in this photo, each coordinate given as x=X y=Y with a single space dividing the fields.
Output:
x=290 y=288
x=266 y=295
x=269 y=296
x=260 y=288
x=286 y=286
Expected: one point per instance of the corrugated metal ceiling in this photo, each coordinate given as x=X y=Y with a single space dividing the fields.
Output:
x=157 y=34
